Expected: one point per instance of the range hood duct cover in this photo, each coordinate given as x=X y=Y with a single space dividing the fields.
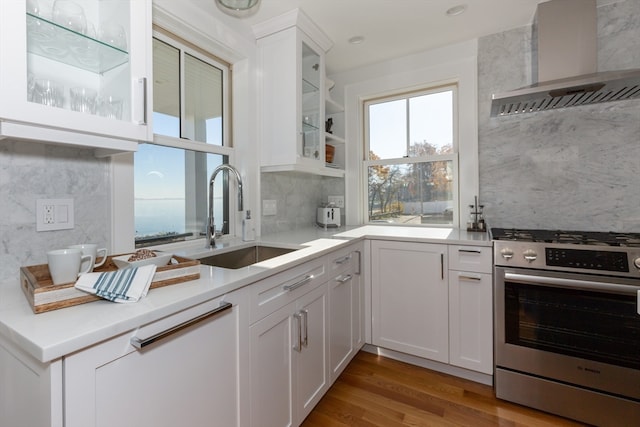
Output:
x=567 y=64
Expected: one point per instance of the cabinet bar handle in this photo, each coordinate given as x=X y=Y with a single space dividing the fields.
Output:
x=464 y=277
x=299 y=283
x=140 y=115
x=359 y=263
x=470 y=251
x=298 y=345
x=305 y=319
x=343 y=259
x=344 y=279
x=141 y=343
x=442 y=266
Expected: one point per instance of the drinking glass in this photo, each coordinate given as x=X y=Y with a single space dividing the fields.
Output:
x=70 y=14
x=111 y=107
x=113 y=34
x=48 y=92
x=83 y=99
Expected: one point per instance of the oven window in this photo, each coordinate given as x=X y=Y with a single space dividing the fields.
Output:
x=592 y=325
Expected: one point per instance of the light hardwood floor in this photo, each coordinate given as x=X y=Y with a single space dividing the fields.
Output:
x=376 y=391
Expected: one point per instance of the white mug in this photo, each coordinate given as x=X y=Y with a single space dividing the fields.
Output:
x=64 y=265
x=91 y=249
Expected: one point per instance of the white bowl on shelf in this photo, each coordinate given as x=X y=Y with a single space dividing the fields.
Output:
x=161 y=259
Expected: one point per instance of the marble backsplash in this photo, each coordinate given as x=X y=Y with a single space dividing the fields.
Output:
x=297 y=196
x=30 y=171
x=576 y=168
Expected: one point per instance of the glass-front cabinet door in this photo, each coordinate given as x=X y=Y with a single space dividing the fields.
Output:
x=311 y=117
x=76 y=71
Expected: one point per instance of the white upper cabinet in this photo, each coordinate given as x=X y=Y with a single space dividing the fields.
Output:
x=76 y=72
x=291 y=55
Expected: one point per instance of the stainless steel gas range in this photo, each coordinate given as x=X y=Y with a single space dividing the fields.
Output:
x=567 y=323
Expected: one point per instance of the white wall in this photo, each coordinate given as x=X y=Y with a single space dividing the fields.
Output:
x=456 y=63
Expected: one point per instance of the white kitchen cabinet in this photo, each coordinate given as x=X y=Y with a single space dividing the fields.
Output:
x=30 y=391
x=346 y=307
x=187 y=372
x=471 y=308
x=291 y=57
x=109 y=58
x=289 y=367
x=409 y=298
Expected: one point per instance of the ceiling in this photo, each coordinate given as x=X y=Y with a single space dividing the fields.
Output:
x=395 y=28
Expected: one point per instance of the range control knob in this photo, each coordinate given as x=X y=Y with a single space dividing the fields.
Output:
x=530 y=255
x=506 y=253
x=636 y=262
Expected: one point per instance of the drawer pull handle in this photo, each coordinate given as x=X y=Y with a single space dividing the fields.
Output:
x=142 y=343
x=344 y=279
x=299 y=283
x=470 y=251
x=343 y=259
x=474 y=278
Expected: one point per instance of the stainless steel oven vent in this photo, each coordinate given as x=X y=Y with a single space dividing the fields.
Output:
x=570 y=92
x=567 y=64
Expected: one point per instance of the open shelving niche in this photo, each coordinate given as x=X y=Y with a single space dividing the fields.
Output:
x=335 y=111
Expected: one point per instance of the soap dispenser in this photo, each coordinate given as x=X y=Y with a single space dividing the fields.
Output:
x=248 y=229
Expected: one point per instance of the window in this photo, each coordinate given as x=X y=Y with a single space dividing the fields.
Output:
x=411 y=158
x=189 y=124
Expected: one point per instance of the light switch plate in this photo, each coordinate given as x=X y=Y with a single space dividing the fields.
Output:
x=269 y=207
x=54 y=214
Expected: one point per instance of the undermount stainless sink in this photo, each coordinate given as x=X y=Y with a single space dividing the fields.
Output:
x=244 y=257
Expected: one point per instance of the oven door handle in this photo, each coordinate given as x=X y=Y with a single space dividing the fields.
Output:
x=559 y=282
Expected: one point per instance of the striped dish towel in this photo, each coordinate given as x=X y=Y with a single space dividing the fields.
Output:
x=126 y=285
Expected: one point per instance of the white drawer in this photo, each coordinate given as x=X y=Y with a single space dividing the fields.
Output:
x=277 y=291
x=471 y=258
x=345 y=259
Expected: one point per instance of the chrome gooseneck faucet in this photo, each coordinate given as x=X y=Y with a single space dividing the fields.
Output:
x=211 y=227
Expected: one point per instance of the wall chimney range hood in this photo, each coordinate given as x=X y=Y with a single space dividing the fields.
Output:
x=567 y=64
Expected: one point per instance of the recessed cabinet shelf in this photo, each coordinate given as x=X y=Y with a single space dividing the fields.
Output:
x=336 y=139
x=58 y=43
x=332 y=107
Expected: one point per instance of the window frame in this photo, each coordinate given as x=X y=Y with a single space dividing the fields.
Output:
x=366 y=162
x=226 y=149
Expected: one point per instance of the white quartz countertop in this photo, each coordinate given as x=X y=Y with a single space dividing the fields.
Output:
x=51 y=335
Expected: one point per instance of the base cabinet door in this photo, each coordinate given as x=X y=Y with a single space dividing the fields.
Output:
x=312 y=358
x=187 y=377
x=289 y=361
x=346 y=308
x=471 y=307
x=271 y=374
x=409 y=297
x=471 y=320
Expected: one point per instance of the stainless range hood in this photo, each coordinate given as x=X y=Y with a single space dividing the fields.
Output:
x=567 y=64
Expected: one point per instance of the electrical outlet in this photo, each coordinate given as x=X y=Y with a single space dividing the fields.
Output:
x=49 y=214
x=338 y=201
x=54 y=214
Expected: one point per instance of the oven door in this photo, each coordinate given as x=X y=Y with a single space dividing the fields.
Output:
x=574 y=328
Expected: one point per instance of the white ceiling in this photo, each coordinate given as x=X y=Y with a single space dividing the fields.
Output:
x=394 y=28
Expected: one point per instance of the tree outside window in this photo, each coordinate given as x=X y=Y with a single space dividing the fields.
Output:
x=411 y=158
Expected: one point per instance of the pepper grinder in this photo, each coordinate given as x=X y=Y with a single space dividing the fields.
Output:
x=476 y=217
